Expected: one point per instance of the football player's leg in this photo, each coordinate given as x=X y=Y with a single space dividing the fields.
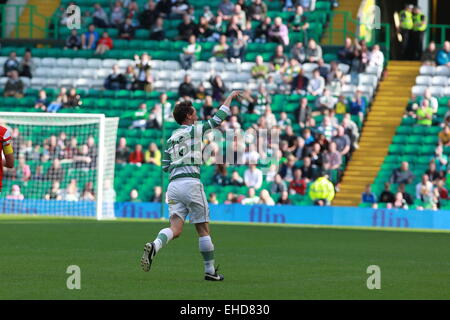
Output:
x=167 y=234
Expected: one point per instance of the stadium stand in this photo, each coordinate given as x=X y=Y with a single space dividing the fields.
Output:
x=54 y=68
x=416 y=165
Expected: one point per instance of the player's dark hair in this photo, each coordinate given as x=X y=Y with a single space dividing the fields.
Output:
x=182 y=110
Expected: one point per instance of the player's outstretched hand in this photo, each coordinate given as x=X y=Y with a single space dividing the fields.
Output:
x=233 y=94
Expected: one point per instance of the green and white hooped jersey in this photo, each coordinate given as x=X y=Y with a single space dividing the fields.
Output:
x=183 y=154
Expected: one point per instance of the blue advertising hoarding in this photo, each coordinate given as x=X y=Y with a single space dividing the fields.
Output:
x=279 y=214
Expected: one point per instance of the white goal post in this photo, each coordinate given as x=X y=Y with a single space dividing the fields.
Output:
x=64 y=164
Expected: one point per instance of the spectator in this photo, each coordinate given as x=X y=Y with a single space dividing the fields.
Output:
x=136 y=157
x=443 y=192
x=332 y=158
x=157 y=194
x=287 y=169
x=341 y=105
x=55 y=172
x=236 y=179
x=212 y=199
x=88 y=193
x=117 y=14
x=104 y=44
x=387 y=196
x=155 y=118
x=298 y=52
x=253 y=177
x=71 y=192
x=73 y=99
x=424 y=189
x=290 y=72
x=401 y=188
x=89 y=38
x=83 y=159
x=342 y=140
x=55 y=192
x=178 y=9
x=257 y=10
x=264 y=198
x=127 y=30
x=15 y=193
x=376 y=58
x=122 y=151
x=322 y=191
x=326 y=102
x=444 y=136
x=99 y=17
x=234 y=30
x=259 y=70
x=298 y=184
x=399 y=201
x=186 y=29
x=27 y=66
x=238 y=12
x=236 y=51
x=440 y=159
x=221 y=177
x=358 y=105
x=144 y=80
x=23 y=171
x=191 y=53
x=278 y=60
x=218 y=28
x=278 y=186
x=220 y=50
x=300 y=84
x=203 y=32
x=284 y=121
x=207 y=13
x=432 y=101
x=130 y=78
x=316 y=84
x=262 y=31
x=139 y=117
x=443 y=55
x=134 y=196
x=153 y=155
x=61 y=99
x=429 y=55
x=42 y=101
x=324 y=70
x=279 y=32
x=71 y=149
x=73 y=41
x=368 y=196
x=226 y=8
x=12 y=63
x=284 y=199
x=402 y=174
x=346 y=53
x=252 y=198
x=218 y=88
x=14 y=87
x=424 y=114
x=116 y=80
x=432 y=172
x=186 y=90
x=165 y=105
x=149 y=16
x=313 y=51
x=298 y=22
x=308 y=171
x=157 y=32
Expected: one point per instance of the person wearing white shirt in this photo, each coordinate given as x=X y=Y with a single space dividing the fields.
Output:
x=376 y=58
x=316 y=84
x=253 y=177
x=252 y=197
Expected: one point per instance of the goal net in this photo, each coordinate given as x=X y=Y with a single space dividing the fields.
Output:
x=64 y=164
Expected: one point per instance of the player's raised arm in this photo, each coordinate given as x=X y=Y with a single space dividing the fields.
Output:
x=222 y=113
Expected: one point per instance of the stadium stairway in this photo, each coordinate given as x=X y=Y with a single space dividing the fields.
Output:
x=337 y=38
x=45 y=9
x=385 y=115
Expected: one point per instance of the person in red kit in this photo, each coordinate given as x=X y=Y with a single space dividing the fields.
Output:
x=298 y=184
x=5 y=138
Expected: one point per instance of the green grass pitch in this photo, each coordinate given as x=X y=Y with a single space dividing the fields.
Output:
x=259 y=262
